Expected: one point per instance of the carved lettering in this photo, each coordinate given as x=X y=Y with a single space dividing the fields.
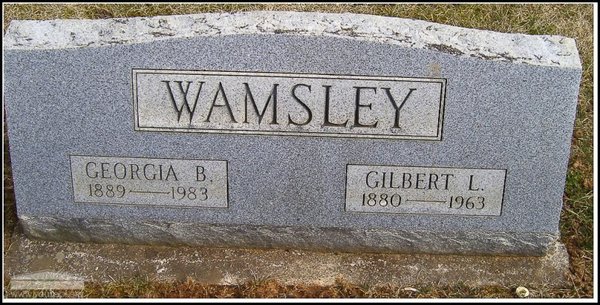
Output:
x=358 y=105
x=396 y=106
x=304 y=106
x=226 y=105
x=291 y=104
x=272 y=96
x=424 y=190
x=146 y=181
x=184 y=94
x=327 y=121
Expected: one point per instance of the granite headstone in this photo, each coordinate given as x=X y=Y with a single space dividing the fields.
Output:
x=336 y=132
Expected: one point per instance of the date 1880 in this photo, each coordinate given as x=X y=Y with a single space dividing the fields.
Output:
x=395 y=200
x=424 y=190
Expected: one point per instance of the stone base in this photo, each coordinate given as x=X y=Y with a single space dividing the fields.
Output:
x=110 y=262
x=287 y=237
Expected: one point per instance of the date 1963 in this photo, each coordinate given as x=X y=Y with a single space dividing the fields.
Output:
x=424 y=190
x=395 y=200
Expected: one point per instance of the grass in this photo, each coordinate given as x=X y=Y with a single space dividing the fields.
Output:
x=576 y=219
x=144 y=288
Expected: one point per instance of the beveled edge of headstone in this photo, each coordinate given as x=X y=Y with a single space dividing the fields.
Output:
x=542 y=50
x=130 y=231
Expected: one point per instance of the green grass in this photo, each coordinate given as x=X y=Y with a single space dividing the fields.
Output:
x=577 y=217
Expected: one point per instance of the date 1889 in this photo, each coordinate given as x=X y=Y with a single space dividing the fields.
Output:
x=119 y=191
x=170 y=183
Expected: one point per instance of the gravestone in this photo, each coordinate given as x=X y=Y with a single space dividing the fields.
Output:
x=335 y=132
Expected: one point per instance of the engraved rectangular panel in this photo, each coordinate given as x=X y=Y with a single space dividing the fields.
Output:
x=288 y=104
x=147 y=181
x=424 y=190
